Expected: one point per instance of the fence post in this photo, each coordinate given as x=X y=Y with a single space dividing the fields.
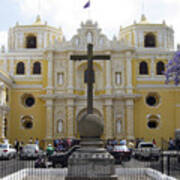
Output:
x=168 y=165
x=162 y=162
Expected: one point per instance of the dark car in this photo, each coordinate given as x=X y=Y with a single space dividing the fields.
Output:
x=121 y=153
x=61 y=159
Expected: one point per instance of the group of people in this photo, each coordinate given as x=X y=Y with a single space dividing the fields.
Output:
x=64 y=144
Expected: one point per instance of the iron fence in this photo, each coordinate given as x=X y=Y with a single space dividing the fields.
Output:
x=168 y=163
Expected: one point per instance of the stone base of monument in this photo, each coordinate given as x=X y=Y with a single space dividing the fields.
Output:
x=91 y=162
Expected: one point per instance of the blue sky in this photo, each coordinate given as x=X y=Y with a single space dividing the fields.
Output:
x=68 y=14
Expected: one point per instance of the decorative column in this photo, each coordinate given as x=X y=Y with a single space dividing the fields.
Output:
x=108 y=77
x=129 y=72
x=28 y=68
x=152 y=67
x=109 y=119
x=3 y=124
x=70 y=118
x=11 y=67
x=5 y=65
x=130 y=119
x=50 y=72
x=70 y=75
x=49 y=119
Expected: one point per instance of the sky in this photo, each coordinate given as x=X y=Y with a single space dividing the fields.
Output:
x=68 y=14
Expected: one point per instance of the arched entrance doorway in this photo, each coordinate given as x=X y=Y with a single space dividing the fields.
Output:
x=81 y=114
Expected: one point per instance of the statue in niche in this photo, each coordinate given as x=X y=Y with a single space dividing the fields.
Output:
x=118 y=126
x=60 y=126
x=89 y=37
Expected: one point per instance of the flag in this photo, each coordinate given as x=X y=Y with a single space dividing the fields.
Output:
x=87 y=4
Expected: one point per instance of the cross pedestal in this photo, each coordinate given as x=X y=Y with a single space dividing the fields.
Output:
x=91 y=161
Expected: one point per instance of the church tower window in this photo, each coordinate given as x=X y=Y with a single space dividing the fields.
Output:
x=20 y=68
x=150 y=40
x=143 y=68
x=31 y=41
x=160 y=68
x=37 y=68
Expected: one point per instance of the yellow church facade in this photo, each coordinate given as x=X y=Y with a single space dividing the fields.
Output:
x=43 y=94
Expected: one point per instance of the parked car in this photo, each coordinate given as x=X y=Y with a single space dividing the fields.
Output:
x=30 y=151
x=147 y=150
x=60 y=159
x=121 y=153
x=7 y=151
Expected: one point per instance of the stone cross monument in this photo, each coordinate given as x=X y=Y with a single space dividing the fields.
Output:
x=91 y=161
x=90 y=73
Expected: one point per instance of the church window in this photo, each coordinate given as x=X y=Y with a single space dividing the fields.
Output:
x=28 y=100
x=143 y=68
x=7 y=95
x=160 y=67
x=5 y=127
x=152 y=99
x=31 y=41
x=60 y=126
x=37 y=68
x=153 y=122
x=89 y=37
x=20 y=69
x=118 y=78
x=101 y=41
x=150 y=40
x=27 y=122
x=60 y=78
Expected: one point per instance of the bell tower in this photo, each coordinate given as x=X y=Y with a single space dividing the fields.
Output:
x=37 y=36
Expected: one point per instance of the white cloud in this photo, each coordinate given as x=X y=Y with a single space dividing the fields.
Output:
x=3 y=38
x=110 y=14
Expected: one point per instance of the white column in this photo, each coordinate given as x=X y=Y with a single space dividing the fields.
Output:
x=12 y=69
x=153 y=68
x=109 y=126
x=5 y=65
x=70 y=120
x=49 y=119
x=45 y=40
x=129 y=72
x=70 y=75
x=28 y=68
x=130 y=119
x=50 y=70
x=108 y=77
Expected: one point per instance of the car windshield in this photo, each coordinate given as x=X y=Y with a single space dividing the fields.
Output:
x=147 y=145
x=3 y=146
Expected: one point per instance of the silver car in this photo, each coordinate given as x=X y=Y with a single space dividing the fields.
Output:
x=30 y=151
x=7 y=151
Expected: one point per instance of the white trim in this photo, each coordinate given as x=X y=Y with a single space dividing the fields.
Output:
x=155 y=78
x=177 y=105
x=157 y=86
x=27 y=86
